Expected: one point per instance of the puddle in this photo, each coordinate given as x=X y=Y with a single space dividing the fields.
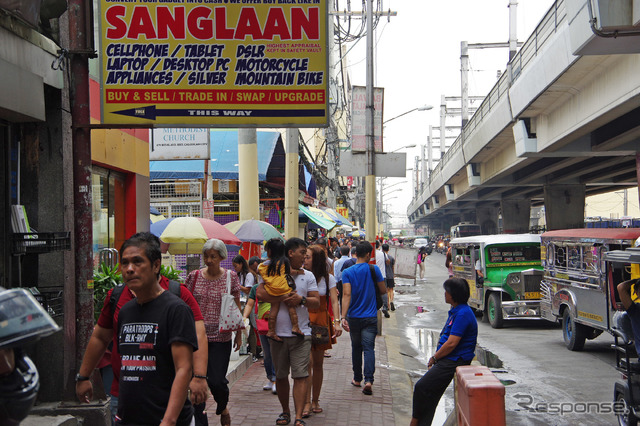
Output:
x=488 y=358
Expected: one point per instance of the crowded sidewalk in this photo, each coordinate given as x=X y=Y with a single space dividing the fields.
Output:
x=342 y=403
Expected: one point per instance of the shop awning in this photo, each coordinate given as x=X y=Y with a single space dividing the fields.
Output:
x=224 y=159
x=317 y=219
x=337 y=217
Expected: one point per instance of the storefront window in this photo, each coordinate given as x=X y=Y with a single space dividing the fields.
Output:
x=107 y=210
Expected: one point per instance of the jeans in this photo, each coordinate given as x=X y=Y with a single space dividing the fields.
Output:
x=268 y=363
x=363 y=339
x=217 y=365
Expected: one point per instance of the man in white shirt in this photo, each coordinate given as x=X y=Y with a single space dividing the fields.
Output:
x=293 y=352
x=380 y=263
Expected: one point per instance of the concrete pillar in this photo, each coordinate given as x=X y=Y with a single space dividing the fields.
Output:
x=564 y=206
x=487 y=218
x=515 y=216
x=248 y=194
x=291 y=184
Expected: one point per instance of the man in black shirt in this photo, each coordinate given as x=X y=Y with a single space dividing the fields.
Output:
x=156 y=340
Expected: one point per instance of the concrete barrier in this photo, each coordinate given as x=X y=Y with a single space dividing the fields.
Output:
x=480 y=397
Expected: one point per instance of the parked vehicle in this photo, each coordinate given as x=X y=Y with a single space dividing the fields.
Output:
x=579 y=286
x=510 y=265
x=626 y=390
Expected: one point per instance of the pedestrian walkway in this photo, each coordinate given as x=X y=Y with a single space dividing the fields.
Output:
x=343 y=404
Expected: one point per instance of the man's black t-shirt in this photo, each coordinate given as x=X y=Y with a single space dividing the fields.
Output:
x=145 y=335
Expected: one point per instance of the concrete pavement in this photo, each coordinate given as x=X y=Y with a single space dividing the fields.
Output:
x=343 y=404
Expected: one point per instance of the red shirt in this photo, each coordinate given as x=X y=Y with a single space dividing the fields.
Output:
x=111 y=323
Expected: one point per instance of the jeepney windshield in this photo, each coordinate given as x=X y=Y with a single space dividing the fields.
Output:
x=513 y=254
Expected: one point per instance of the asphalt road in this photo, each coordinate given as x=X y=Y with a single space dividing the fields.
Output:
x=546 y=384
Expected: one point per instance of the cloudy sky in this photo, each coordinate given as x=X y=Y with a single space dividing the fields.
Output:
x=418 y=60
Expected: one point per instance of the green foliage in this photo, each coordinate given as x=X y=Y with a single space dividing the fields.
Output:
x=170 y=272
x=104 y=279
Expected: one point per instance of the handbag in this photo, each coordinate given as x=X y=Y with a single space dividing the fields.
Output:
x=320 y=333
x=262 y=325
x=375 y=288
x=230 y=316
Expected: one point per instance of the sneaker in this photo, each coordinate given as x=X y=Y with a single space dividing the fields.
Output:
x=268 y=386
x=393 y=307
x=386 y=314
x=273 y=388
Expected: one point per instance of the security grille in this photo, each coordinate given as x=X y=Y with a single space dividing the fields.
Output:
x=179 y=209
x=175 y=191
x=177 y=199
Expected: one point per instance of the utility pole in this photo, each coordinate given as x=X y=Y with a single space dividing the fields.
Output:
x=512 y=45
x=78 y=318
x=370 y=179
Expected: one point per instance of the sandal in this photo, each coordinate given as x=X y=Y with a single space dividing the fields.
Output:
x=315 y=407
x=356 y=384
x=367 y=389
x=299 y=422
x=306 y=411
x=284 y=419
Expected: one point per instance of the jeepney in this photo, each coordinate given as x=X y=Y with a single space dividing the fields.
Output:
x=512 y=273
x=579 y=286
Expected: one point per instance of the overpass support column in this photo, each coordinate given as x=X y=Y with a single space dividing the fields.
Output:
x=515 y=216
x=487 y=218
x=564 y=206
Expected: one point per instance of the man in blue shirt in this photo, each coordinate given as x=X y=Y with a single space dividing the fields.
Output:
x=360 y=314
x=456 y=347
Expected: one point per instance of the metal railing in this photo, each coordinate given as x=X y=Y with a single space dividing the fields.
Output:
x=546 y=28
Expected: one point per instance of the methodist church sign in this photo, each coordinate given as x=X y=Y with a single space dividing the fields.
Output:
x=218 y=63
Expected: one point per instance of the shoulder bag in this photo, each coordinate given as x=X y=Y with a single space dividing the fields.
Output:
x=320 y=333
x=230 y=316
x=375 y=288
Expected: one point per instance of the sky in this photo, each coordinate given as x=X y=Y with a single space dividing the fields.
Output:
x=418 y=59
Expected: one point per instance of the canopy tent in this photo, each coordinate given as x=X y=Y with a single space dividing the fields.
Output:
x=336 y=217
x=316 y=219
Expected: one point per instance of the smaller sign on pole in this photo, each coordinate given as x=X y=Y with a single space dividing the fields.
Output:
x=179 y=144
x=208 y=209
x=358 y=118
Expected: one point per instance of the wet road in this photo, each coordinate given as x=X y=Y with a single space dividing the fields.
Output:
x=546 y=384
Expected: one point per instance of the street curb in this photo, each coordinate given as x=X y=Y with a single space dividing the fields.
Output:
x=238 y=367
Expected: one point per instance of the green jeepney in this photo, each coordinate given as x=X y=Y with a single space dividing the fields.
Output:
x=512 y=271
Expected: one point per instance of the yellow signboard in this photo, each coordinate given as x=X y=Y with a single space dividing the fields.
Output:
x=217 y=63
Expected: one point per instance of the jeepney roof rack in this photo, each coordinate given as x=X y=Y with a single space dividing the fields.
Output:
x=630 y=255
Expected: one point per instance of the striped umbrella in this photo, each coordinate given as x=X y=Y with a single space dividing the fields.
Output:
x=187 y=235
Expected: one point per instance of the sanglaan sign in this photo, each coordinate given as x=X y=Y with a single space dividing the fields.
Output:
x=215 y=63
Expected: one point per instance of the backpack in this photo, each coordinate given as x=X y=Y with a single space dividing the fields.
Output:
x=174 y=287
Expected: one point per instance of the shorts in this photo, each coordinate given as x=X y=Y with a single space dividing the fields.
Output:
x=291 y=354
x=390 y=283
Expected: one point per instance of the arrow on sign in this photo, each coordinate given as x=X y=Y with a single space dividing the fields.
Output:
x=151 y=112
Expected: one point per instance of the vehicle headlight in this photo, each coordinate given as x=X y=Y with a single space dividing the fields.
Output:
x=514 y=279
